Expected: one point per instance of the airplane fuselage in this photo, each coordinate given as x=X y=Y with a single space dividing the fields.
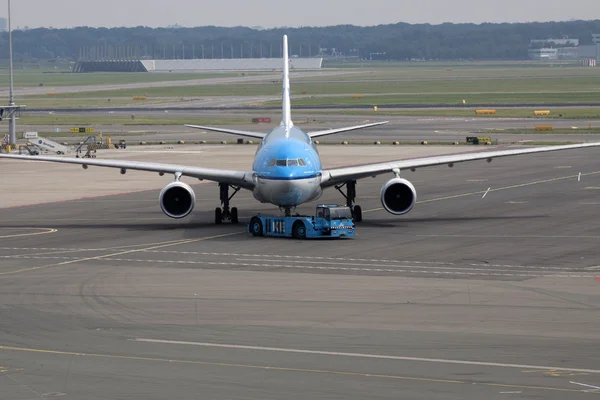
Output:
x=287 y=168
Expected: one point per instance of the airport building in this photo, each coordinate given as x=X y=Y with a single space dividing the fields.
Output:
x=236 y=64
x=554 y=42
x=564 y=49
x=591 y=52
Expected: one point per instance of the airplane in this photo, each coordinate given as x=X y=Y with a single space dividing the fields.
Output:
x=287 y=169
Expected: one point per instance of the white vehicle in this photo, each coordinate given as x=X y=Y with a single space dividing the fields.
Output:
x=287 y=169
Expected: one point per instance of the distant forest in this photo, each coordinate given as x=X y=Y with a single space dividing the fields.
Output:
x=383 y=42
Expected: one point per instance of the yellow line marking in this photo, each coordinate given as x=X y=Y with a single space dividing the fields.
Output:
x=288 y=369
x=184 y=241
x=496 y=189
x=90 y=250
x=554 y=372
x=45 y=232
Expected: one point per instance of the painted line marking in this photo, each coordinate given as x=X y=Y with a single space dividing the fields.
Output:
x=470 y=267
x=185 y=241
x=365 y=355
x=494 y=190
x=399 y=269
x=313 y=260
x=579 y=177
x=56 y=250
x=557 y=373
x=284 y=369
x=515 y=392
x=516 y=236
x=45 y=231
x=486 y=192
x=279 y=256
x=586 y=385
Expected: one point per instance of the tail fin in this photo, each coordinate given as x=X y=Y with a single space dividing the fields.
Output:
x=286 y=117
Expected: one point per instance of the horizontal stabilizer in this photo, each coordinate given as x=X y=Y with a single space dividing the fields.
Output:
x=347 y=129
x=229 y=131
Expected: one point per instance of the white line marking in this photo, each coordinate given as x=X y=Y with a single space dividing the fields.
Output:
x=584 y=384
x=579 y=177
x=363 y=355
x=344 y=260
x=515 y=236
x=517 y=392
x=394 y=269
x=486 y=192
x=470 y=267
x=554 y=272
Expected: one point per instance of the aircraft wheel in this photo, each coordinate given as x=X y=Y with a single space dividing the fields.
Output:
x=234 y=215
x=218 y=216
x=357 y=213
x=299 y=230
x=256 y=227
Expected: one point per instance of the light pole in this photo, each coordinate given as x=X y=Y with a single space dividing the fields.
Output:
x=12 y=130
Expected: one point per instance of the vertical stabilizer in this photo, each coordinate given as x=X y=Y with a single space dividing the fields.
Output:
x=286 y=118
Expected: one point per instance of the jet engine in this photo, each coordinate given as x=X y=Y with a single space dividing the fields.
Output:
x=177 y=200
x=398 y=196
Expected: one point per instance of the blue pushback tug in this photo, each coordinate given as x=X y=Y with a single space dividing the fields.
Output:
x=330 y=221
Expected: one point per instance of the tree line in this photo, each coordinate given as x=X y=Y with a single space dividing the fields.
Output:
x=401 y=41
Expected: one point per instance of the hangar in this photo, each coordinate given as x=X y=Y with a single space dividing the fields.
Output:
x=224 y=64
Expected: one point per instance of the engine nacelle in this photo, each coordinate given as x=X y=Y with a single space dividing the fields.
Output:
x=398 y=196
x=177 y=200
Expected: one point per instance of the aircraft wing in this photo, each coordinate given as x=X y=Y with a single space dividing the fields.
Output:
x=338 y=175
x=236 y=178
x=346 y=129
x=229 y=131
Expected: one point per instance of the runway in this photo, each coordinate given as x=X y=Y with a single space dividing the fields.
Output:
x=487 y=289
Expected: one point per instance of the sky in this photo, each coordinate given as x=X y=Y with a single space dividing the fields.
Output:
x=278 y=13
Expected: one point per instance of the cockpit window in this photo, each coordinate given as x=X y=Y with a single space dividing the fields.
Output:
x=287 y=163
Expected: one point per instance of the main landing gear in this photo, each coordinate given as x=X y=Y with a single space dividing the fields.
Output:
x=350 y=197
x=225 y=213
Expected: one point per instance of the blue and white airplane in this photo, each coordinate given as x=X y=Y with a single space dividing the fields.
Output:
x=287 y=170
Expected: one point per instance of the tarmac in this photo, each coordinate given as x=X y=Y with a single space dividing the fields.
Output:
x=488 y=289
